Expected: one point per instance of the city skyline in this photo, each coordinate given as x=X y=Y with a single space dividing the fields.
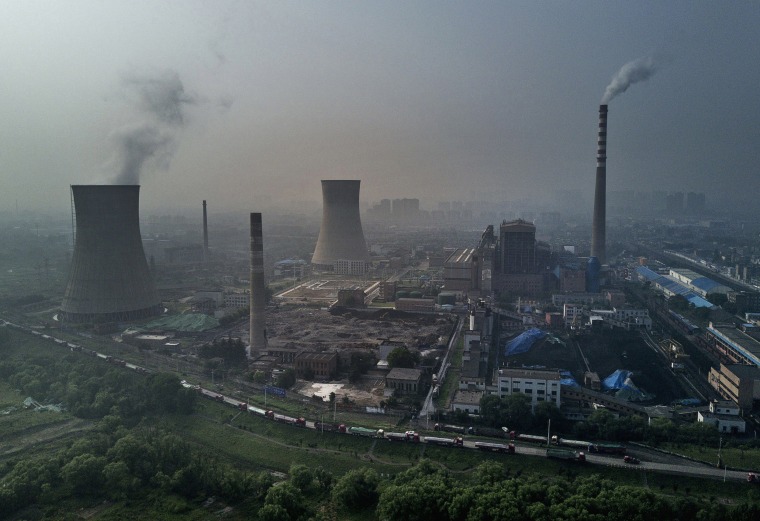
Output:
x=250 y=105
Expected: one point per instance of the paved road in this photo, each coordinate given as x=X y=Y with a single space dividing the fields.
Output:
x=428 y=408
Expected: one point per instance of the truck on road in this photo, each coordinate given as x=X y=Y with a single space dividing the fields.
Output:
x=445 y=442
x=565 y=454
x=369 y=433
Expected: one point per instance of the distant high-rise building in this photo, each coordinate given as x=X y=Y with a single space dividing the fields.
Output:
x=405 y=209
x=674 y=203
x=695 y=203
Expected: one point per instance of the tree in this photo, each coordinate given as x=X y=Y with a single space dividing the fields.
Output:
x=285 y=497
x=84 y=474
x=286 y=379
x=301 y=477
x=356 y=490
x=402 y=357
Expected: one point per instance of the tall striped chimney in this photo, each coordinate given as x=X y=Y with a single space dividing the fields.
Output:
x=599 y=227
x=258 y=297
x=205 y=233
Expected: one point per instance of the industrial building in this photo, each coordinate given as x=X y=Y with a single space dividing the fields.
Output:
x=521 y=263
x=461 y=270
x=737 y=382
x=341 y=246
x=109 y=280
x=538 y=384
x=699 y=284
x=734 y=344
x=671 y=287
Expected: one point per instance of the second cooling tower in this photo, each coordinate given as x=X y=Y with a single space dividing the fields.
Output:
x=109 y=279
x=341 y=246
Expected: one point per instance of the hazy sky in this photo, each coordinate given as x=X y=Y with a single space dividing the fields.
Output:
x=247 y=103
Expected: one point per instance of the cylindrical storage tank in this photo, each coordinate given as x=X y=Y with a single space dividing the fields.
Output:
x=341 y=245
x=447 y=299
x=415 y=294
x=402 y=294
x=109 y=278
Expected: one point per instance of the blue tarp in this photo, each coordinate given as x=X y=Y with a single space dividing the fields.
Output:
x=523 y=342
x=616 y=380
x=566 y=378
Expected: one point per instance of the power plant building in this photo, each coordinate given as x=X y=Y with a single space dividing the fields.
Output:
x=109 y=280
x=341 y=247
x=521 y=262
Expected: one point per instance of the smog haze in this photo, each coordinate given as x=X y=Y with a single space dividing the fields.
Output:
x=249 y=104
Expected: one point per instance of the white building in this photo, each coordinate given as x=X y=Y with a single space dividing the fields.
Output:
x=237 y=300
x=724 y=414
x=539 y=384
x=626 y=318
x=572 y=314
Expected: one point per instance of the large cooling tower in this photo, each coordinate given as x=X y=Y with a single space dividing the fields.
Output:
x=599 y=226
x=109 y=278
x=258 y=289
x=341 y=245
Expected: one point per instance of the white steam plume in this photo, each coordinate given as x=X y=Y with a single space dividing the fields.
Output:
x=162 y=95
x=630 y=73
x=137 y=145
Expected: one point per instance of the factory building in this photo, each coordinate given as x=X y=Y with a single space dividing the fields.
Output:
x=736 y=345
x=699 y=284
x=737 y=382
x=109 y=280
x=538 y=384
x=520 y=261
x=461 y=270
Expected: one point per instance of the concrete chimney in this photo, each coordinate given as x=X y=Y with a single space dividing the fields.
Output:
x=599 y=226
x=258 y=290
x=205 y=233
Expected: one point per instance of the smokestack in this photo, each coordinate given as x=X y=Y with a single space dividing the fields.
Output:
x=599 y=227
x=258 y=297
x=341 y=246
x=205 y=233
x=109 y=279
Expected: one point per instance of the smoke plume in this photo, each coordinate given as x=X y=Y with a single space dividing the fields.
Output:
x=160 y=103
x=162 y=96
x=630 y=73
x=137 y=145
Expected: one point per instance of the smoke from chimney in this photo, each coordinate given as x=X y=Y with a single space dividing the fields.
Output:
x=160 y=100
x=630 y=73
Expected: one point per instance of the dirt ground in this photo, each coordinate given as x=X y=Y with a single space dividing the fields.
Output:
x=314 y=328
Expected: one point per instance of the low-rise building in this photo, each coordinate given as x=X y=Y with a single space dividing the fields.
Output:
x=467 y=401
x=539 y=384
x=322 y=366
x=403 y=380
x=417 y=305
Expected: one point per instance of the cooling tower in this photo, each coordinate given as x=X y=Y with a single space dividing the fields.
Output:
x=109 y=278
x=599 y=226
x=258 y=296
x=341 y=246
